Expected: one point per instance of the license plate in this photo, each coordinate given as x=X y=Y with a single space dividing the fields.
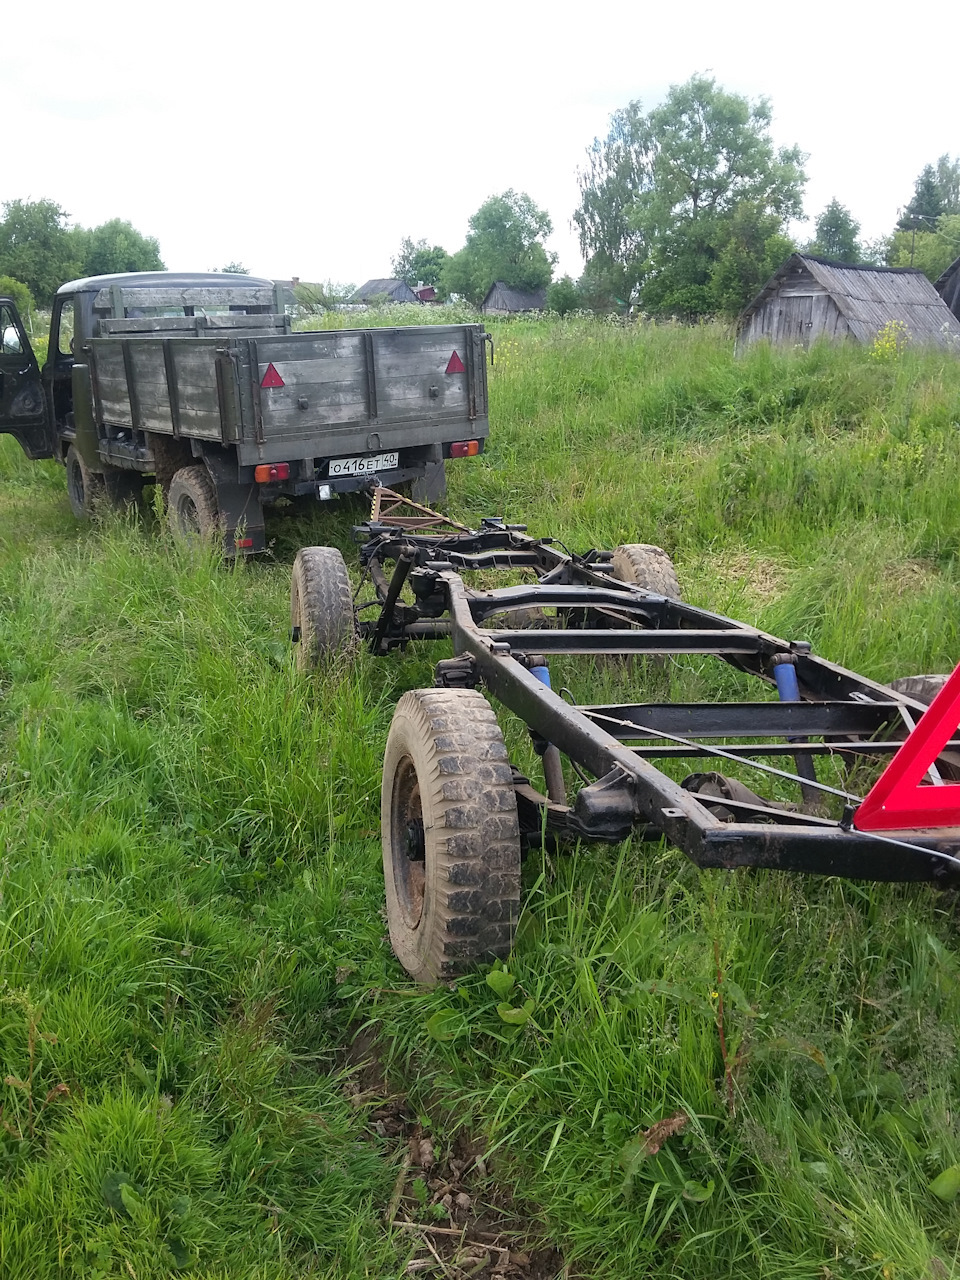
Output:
x=367 y=465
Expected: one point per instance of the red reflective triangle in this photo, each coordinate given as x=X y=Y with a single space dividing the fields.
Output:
x=271 y=378
x=455 y=364
x=897 y=799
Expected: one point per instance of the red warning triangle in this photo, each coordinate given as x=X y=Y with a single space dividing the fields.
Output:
x=897 y=800
x=271 y=378
x=455 y=364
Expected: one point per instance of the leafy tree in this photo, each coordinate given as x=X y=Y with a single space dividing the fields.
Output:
x=948 y=183
x=836 y=234
x=10 y=288
x=932 y=251
x=36 y=247
x=563 y=296
x=419 y=263
x=659 y=195
x=503 y=243
x=117 y=246
x=234 y=269
x=751 y=247
x=926 y=205
x=616 y=176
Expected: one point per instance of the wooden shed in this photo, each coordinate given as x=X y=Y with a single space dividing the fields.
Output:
x=502 y=300
x=374 y=291
x=948 y=287
x=810 y=298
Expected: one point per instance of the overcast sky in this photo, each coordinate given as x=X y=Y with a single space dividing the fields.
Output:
x=308 y=139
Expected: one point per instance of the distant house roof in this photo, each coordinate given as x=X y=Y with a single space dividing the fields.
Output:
x=501 y=298
x=948 y=287
x=396 y=291
x=867 y=298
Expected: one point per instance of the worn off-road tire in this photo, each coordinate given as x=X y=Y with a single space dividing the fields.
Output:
x=84 y=487
x=646 y=566
x=923 y=688
x=321 y=606
x=451 y=839
x=192 y=510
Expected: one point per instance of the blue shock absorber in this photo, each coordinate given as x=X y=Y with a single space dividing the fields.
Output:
x=543 y=675
x=785 y=674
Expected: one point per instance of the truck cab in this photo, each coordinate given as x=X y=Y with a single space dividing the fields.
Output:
x=47 y=410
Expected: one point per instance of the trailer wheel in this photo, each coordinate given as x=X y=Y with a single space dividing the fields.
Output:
x=646 y=566
x=923 y=688
x=321 y=606
x=451 y=839
x=192 y=509
x=84 y=487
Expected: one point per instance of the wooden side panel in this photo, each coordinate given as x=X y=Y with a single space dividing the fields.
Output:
x=111 y=385
x=194 y=367
x=146 y=361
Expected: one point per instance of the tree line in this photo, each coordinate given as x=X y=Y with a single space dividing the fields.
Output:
x=684 y=211
x=39 y=250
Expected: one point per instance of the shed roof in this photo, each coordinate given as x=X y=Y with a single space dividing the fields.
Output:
x=870 y=297
x=398 y=290
x=501 y=297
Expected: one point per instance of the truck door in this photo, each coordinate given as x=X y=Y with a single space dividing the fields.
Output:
x=22 y=410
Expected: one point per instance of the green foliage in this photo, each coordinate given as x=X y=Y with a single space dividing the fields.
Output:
x=563 y=296
x=836 y=234
x=659 y=198
x=936 y=192
x=314 y=299
x=419 y=263
x=504 y=243
x=37 y=248
x=19 y=292
x=117 y=246
x=931 y=250
x=234 y=269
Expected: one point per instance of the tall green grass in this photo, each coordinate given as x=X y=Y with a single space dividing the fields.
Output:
x=190 y=929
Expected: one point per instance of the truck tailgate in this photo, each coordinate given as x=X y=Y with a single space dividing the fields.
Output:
x=326 y=393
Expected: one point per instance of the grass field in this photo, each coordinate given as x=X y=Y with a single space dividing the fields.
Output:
x=195 y=976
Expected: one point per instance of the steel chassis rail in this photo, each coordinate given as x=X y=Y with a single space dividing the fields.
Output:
x=835 y=711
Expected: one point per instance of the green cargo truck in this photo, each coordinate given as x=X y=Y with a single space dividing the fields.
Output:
x=197 y=383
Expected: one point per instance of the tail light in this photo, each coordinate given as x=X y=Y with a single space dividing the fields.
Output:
x=268 y=471
x=465 y=449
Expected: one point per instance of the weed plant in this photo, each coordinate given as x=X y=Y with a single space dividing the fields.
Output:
x=190 y=894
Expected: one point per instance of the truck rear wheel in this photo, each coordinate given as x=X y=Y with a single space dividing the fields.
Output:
x=451 y=839
x=321 y=606
x=84 y=487
x=192 y=509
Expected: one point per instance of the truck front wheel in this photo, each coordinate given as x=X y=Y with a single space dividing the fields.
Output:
x=84 y=487
x=192 y=509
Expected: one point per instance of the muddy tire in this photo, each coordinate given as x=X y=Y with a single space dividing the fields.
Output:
x=923 y=688
x=646 y=566
x=84 y=487
x=451 y=839
x=321 y=606
x=192 y=510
